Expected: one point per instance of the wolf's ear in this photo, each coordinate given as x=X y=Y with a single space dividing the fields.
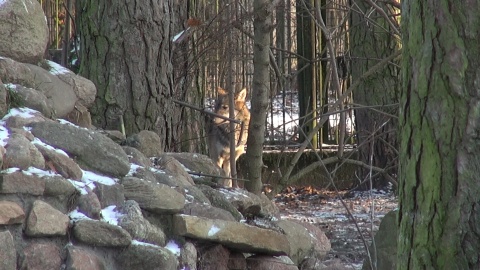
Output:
x=221 y=91
x=240 y=96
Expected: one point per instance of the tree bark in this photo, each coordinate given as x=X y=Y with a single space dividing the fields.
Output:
x=439 y=156
x=261 y=86
x=372 y=40
x=126 y=50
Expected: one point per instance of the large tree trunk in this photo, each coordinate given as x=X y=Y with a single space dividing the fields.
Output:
x=372 y=40
x=126 y=50
x=440 y=149
x=261 y=87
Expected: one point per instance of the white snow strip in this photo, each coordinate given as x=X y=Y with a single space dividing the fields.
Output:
x=57 y=69
x=38 y=172
x=133 y=169
x=21 y=112
x=3 y=136
x=39 y=142
x=213 y=230
x=76 y=215
x=136 y=242
x=110 y=215
x=173 y=247
x=94 y=177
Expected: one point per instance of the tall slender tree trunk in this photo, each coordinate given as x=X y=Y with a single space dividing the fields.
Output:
x=126 y=50
x=440 y=148
x=373 y=39
x=261 y=86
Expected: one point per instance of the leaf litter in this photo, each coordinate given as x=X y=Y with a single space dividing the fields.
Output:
x=348 y=218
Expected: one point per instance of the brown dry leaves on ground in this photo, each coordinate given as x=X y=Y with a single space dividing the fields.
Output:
x=347 y=218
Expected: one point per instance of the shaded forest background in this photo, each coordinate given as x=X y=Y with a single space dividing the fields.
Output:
x=337 y=59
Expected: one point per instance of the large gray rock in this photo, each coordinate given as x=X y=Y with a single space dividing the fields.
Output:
x=384 y=252
x=8 y=253
x=44 y=220
x=235 y=235
x=81 y=259
x=305 y=242
x=262 y=262
x=198 y=163
x=58 y=186
x=11 y=213
x=22 y=154
x=92 y=150
x=34 y=99
x=84 y=89
x=102 y=234
x=61 y=163
x=59 y=94
x=147 y=142
x=24 y=30
x=173 y=167
x=217 y=199
x=139 y=228
x=41 y=256
x=147 y=257
x=157 y=198
x=18 y=182
x=207 y=211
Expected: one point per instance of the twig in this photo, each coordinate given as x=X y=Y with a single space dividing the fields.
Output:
x=216 y=176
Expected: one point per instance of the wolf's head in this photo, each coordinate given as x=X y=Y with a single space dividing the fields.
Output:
x=222 y=106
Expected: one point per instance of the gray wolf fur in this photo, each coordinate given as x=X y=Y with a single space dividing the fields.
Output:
x=219 y=130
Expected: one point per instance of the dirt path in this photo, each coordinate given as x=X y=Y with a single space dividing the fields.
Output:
x=326 y=210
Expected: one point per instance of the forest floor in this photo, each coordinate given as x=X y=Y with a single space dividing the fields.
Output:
x=349 y=219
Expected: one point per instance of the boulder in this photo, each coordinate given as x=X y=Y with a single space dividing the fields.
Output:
x=102 y=234
x=81 y=259
x=234 y=235
x=19 y=182
x=139 y=228
x=8 y=253
x=188 y=256
x=60 y=95
x=198 y=163
x=217 y=199
x=137 y=157
x=213 y=257
x=22 y=154
x=92 y=150
x=11 y=213
x=24 y=28
x=141 y=256
x=262 y=262
x=147 y=142
x=44 y=220
x=41 y=256
x=385 y=249
x=173 y=167
x=60 y=163
x=34 y=99
x=207 y=211
x=304 y=242
x=157 y=198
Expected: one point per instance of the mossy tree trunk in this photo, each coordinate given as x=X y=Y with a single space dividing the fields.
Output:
x=373 y=39
x=126 y=50
x=262 y=26
x=439 y=136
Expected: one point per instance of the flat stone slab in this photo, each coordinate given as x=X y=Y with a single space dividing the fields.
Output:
x=235 y=235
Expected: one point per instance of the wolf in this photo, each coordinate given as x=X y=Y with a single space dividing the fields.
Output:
x=219 y=130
